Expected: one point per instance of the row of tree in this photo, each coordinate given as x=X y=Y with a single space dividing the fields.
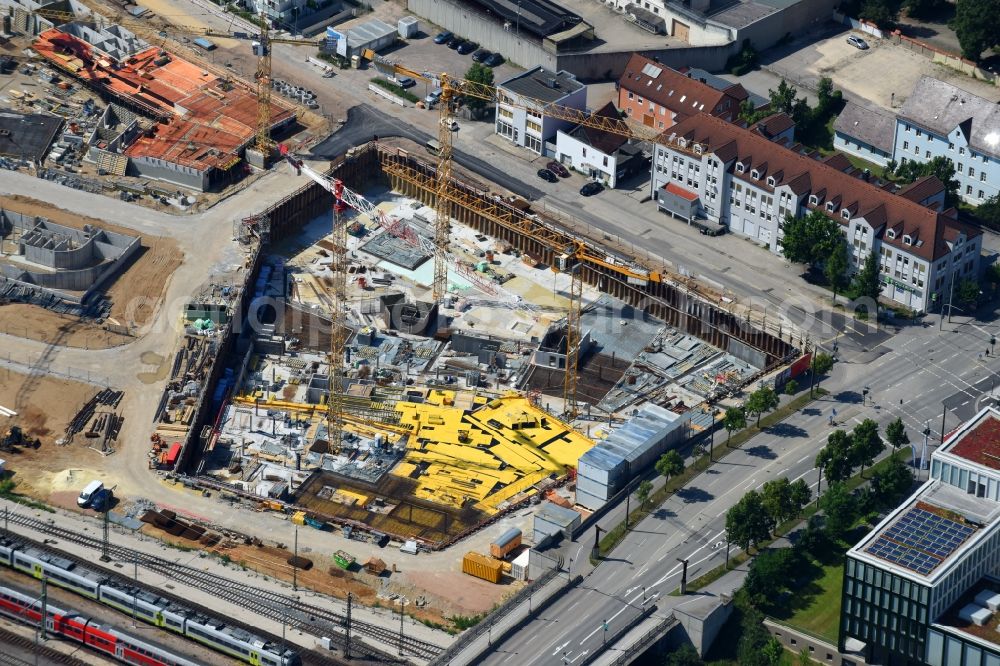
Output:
x=669 y=465
x=752 y=520
x=845 y=452
x=811 y=122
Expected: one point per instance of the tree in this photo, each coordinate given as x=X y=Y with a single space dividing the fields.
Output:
x=762 y=400
x=735 y=419
x=772 y=651
x=749 y=114
x=835 y=459
x=478 y=73
x=801 y=495
x=791 y=387
x=892 y=482
x=992 y=275
x=840 y=508
x=782 y=99
x=977 y=26
x=882 y=13
x=750 y=650
x=867 y=281
x=769 y=574
x=836 y=267
x=940 y=167
x=895 y=434
x=670 y=464
x=924 y=8
x=643 y=492
x=967 y=292
x=776 y=496
x=821 y=364
x=685 y=655
x=747 y=523
x=988 y=212
x=866 y=444
x=810 y=239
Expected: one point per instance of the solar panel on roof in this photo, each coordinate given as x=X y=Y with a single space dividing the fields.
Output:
x=920 y=540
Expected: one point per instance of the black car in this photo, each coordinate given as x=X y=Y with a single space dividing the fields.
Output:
x=545 y=174
x=467 y=47
x=443 y=37
x=592 y=188
x=481 y=55
x=455 y=42
x=493 y=60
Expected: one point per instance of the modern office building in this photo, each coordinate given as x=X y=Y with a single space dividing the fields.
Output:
x=523 y=97
x=710 y=172
x=922 y=587
x=939 y=119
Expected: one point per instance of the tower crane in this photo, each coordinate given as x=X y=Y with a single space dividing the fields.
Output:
x=574 y=257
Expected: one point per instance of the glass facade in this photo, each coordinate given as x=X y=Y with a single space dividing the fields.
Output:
x=884 y=610
x=945 y=649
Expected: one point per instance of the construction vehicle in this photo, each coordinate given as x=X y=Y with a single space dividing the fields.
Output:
x=15 y=437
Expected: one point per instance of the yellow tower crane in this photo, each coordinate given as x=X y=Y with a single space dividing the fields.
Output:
x=574 y=257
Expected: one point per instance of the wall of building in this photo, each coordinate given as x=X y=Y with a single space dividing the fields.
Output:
x=977 y=175
x=797 y=18
x=944 y=649
x=860 y=149
x=609 y=65
x=522 y=49
x=819 y=651
x=185 y=177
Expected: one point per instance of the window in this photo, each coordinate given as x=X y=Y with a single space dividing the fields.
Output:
x=906 y=145
x=739 y=168
x=961 y=150
x=982 y=176
x=846 y=214
x=907 y=128
x=919 y=133
x=755 y=174
x=505 y=113
x=829 y=206
x=770 y=181
x=927 y=154
x=951 y=146
x=960 y=167
x=639 y=99
x=605 y=161
x=533 y=143
x=968 y=189
x=980 y=194
x=630 y=95
x=972 y=172
x=533 y=126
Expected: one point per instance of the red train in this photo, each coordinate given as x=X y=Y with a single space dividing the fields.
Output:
x=79 y=629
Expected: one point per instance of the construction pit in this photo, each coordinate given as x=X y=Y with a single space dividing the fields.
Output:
x=453 y=410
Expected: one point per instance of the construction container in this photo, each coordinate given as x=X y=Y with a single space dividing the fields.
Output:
x=408 y=27
x=482 y=566
x=315 y=523
x=343 y=559
x=299 y=518
x=507 y=542
x=519 y=566
x=375 y=566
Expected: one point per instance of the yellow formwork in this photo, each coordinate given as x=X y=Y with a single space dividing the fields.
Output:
x=463 y=451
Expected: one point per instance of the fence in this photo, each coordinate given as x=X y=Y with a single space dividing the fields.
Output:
x=24 y=365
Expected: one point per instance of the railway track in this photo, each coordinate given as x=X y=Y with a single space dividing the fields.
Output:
x=49 y=655
x=319 y=622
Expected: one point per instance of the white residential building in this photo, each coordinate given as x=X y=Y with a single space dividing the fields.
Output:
x=939 y=119
x=722 y=174
x=598 y=154
x=519 y=116
x=865 y=132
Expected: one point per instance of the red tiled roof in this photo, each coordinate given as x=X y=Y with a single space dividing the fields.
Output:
x=981 y=444
x=774 y=125
x=922 y=188
x=669 y=87
x=680 y=191
x=204 y=122
x=830 y=184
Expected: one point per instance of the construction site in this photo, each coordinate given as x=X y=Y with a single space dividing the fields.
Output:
x=449 y=412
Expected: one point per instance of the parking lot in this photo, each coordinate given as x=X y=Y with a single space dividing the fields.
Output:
x=856 y=72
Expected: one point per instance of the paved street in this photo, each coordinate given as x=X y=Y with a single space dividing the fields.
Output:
x=920 y=366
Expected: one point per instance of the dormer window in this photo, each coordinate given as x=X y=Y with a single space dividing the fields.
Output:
x=829 y=206
x=682 y=142
x=770 y=181
x=698 y=149
x=844 y=213
x=755 y=174
x=907 y=239
x=813 y=199
x=739 y=168
x=890 y=233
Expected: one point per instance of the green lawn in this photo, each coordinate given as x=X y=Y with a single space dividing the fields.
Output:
x=821 y=615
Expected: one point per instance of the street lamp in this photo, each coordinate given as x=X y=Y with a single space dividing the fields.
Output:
x=605 y=625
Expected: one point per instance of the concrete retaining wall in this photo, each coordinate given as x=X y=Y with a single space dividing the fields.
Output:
x=608 y=66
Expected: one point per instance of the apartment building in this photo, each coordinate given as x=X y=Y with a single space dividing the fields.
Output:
x=922 y=587
x=939 y=119
x=711 y=172
x=601 y=155
x=658 y=96
x=865 y=132
x=522 y=98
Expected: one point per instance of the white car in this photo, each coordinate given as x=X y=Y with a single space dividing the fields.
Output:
x=857 y=42
x=451 y=124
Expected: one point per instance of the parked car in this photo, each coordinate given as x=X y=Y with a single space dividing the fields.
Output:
x=443 y=37
x=405 y=82
x=451 y=124
x=455 y=42
x=591 y=188
x=433 y=98
x=481 y=55
x=467 y=47
x=857 y=42
x=494 y=60
x=545 y=174
x=557 y=169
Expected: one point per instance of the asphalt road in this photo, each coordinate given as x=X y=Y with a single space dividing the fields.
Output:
x=920 y=367
x=365 y=122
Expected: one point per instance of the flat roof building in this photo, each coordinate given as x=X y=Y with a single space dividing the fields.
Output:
x=27 y=136
x=921 y=585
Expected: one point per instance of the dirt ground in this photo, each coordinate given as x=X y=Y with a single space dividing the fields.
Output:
x=135 y=294
x=45 y=406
